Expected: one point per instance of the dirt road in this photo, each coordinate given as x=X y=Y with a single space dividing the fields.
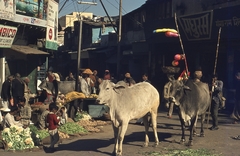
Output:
x=101 y=144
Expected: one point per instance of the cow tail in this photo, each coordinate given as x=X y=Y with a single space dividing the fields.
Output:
x=55 y=84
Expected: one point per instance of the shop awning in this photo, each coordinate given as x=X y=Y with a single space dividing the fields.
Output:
x=84 y=54
x=27 y=50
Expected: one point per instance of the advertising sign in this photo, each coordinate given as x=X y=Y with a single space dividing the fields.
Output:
x=7 y=35
x=32 y=8
x=52 y=25
x=197 y=26
x=30 y=20
x=32 y=12
x=7 y=9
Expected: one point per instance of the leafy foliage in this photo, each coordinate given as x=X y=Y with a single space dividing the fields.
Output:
x=72 y=128
x=41 y=134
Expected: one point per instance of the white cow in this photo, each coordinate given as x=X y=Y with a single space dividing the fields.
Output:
x=127 y=103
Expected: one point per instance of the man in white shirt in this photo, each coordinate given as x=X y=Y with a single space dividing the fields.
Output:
x=85 y=87
x=3 y=112
x=9 y=120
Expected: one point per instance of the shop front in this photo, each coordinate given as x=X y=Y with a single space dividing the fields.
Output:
x=200 y=33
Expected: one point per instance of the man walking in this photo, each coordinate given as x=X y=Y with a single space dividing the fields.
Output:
x=217 y=86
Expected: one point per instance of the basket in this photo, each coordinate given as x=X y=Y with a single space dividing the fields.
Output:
x=171 y=70
x=106 y=116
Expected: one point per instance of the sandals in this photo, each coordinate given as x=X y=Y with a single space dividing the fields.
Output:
x=236 y=137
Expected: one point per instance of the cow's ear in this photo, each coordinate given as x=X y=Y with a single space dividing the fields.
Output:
x=186 y=87
x=119 y=87
x=170 y=77
x=120 y=84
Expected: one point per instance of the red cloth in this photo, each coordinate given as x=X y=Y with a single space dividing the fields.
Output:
x=52 y=121
x=184 y=75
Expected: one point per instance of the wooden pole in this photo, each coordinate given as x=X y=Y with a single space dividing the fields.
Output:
x=214 y=72
x=80 y=46
x=216 y=58
x=180 y=39
x=119 y=38
x=79 y=53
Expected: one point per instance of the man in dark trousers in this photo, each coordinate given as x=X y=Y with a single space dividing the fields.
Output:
x=6 y=91
x=17 y=89
x=217 y=86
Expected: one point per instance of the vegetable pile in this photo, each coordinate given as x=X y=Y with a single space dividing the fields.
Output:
x=82 y=116
x=92 y=125
x=72 y=128
x=63 y=135
x=41 y=133
x=17 y=138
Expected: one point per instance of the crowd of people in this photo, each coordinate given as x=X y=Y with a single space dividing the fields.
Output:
x=16 y=110
x=15 y=95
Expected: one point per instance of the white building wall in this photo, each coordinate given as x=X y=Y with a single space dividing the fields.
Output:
x=2 y=71
x=68 y=20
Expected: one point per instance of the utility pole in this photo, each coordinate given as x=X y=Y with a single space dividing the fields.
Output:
x=119 y=39
x=79 y=51
x=80 y=42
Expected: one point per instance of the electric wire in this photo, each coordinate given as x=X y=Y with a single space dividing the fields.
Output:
x=84 y=9
x=126 y=14
x=79 y=12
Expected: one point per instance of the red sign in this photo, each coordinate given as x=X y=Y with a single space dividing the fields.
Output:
x=7 y=35
x=8 y=32
x=50 y=33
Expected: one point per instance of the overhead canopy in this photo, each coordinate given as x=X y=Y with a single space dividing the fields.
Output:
x=84 y=54
x=27 y=50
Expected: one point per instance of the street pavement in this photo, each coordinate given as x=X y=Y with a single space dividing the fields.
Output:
x=102 y=143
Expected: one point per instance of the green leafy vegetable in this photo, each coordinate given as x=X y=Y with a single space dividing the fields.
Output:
x=72 y=128
x=41 y=134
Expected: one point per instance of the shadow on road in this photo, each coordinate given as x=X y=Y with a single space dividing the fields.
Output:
x=135 y=139
x=86 y=145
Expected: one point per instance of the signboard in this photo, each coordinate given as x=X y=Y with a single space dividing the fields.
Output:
x=32 y=8
x=7 y=35
x=197 y=26
x=52 y=25
x=30 y=20
x=32 y=12
x=7 y=9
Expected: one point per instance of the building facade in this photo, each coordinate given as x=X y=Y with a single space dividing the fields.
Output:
x=69 y=19
x=26 y=50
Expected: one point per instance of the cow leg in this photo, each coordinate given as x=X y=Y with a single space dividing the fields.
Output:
x=154 y=125
x=194 y=127
x=115 y=132
x=183 y=128
x=202 y=123
x=146 y=126
x=193 y=121
x=121 y=134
